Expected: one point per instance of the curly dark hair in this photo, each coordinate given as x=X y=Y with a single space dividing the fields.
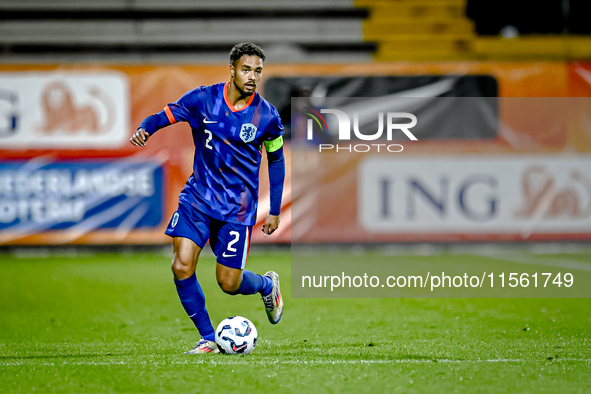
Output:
x=245 y=48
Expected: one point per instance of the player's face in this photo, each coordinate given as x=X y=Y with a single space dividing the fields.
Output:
x=247 y=73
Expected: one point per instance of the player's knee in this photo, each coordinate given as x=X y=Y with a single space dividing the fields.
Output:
x=180 y=269
x=229 y=286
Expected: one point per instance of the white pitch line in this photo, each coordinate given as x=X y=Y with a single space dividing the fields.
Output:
x=545 y=261
x=297 y=362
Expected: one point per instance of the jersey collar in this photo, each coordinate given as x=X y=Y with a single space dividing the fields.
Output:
x=230 y=105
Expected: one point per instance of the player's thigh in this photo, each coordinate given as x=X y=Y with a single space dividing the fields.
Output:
x=190 y=231
x=230 y=243
x=185 y=253
x=187 y=222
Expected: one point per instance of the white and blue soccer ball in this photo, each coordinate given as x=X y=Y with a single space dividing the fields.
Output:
x=236 y=335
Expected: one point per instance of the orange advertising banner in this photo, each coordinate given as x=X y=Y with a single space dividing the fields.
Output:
x=70 y=124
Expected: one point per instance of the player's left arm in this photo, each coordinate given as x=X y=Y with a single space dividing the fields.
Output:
x=276 y=161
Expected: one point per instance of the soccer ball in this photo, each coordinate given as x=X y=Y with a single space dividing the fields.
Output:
x=236 y=335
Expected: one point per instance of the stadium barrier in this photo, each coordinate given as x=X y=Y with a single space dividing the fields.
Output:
x=69 y=175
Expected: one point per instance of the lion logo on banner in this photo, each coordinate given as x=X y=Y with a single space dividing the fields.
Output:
x=62 y=114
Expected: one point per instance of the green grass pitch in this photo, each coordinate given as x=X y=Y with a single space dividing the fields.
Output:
x=113 y=323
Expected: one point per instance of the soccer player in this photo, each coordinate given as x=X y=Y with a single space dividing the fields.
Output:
x=230 y=123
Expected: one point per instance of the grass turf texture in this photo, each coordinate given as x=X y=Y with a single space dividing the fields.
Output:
x=113 y=323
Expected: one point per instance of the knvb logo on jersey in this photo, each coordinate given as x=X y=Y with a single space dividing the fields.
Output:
x=248 y=132
x=344 y=130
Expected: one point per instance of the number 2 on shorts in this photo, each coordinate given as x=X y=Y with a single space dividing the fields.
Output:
x=236 y=235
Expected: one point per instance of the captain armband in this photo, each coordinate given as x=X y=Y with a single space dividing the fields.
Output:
x=273 y=145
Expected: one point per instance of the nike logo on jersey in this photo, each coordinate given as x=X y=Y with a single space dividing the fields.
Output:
x=209 y=121
x=228 y=255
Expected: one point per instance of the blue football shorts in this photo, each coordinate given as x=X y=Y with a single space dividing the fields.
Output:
x=229 y=241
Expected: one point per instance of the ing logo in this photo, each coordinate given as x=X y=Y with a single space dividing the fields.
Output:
x=542 y=197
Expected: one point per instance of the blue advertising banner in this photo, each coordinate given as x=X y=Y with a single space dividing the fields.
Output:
x=80 y=195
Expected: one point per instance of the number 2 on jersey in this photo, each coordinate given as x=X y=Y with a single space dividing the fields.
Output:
x=210 y=136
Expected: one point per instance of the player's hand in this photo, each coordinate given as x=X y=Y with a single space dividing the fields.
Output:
x=139 y=138
x=271 y=224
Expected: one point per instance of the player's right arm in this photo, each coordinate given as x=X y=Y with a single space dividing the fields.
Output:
x=172 y=113
x=139 y=138
x=149 y=126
